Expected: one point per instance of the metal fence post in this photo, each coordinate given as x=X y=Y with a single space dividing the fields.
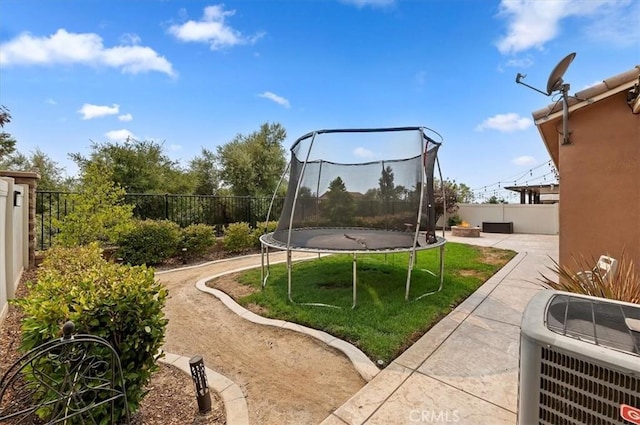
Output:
x=166 y=206
x=199 y=375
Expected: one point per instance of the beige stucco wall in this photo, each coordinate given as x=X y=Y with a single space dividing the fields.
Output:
x=19 y=238
x=14 y=255
x=600 y=181
x=526 y=218
x=541 y=219
x=4 y=188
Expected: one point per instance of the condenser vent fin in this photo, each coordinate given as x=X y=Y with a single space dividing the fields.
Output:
x=574 y=391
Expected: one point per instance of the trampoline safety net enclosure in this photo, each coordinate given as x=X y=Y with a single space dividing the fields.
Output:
x=359 y=190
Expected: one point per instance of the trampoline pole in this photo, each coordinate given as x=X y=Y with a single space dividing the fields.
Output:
x=355 y=280
x=264 y=281
x=441 y=267
x=289 y=274
x=409 y=270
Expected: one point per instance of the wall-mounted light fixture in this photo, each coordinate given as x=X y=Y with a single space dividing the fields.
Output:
x=17 y=199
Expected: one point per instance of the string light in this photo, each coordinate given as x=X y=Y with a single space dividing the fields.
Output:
x=527 y=178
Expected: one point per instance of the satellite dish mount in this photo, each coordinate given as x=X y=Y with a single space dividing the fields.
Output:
x=555 y=83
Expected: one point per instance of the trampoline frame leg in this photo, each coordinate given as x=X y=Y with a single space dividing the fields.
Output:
x=264 y=275
x=441 y=251
x=355 y=281
x=289 y=276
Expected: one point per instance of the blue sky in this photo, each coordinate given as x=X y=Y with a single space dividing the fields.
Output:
x=193 y=74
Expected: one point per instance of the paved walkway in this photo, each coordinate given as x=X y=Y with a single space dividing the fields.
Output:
x=464 y=370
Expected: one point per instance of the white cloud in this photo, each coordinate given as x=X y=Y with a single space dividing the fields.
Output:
x=50 y=101
x=524 y=160
x=619 y=25
x=505 y=123
x=212 y=29
x=125 y=117
x=175 y=147
x=130 y=39
x=119 y=135
x=89 y=111
x=363 y=152
x=532 y=23
x=525 y=62
x=374 y=3
x=274 y=97
x=73 y=48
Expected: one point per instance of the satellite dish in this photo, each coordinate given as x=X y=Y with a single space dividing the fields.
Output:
x=555 y=78
x=555 y=83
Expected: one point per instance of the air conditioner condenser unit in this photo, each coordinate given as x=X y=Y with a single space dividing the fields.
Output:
x=579 y=361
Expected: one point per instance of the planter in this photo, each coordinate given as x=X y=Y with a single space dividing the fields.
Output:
x=465 y=232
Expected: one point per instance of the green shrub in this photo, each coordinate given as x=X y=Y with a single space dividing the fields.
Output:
x=98 y=211
x=388 y=221
x=454 y=220
x=262 y=227
x=197 y=239
x=237 y=237
x=150 y=242
x=121 y=304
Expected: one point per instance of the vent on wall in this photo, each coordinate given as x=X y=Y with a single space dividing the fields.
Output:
x=579 y=361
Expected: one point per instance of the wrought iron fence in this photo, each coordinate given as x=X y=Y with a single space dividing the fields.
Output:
x=217 y=211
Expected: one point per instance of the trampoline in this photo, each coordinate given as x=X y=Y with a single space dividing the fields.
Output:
x=336 y=204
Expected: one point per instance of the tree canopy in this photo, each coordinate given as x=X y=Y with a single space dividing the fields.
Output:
x=205 y=172
x=252 y=165
x=138 y=166
x=7 y=142
x=338 y=204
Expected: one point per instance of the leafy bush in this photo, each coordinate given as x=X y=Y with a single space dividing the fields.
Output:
x=262 y=228
x=197 y=239
x=388 y=222
x=237 y=237
x=454 y=220
x=99 y=212
x=150 y=242
x=121 y=304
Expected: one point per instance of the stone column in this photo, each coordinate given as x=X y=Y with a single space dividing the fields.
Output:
x=31 y=180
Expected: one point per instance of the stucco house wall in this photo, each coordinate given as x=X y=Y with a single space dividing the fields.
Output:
x=599 y=171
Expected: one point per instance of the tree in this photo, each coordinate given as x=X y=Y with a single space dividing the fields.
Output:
x=464 y=194
x=448 y=197
x=99 y=213
x=387 y=188
x=338 y=205
x=205 y=172
x=7 y=142
x=138 y=166
x=252 y=165
x=52 y=175
x=494 y=200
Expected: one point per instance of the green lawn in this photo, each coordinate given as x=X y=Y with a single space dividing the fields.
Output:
x=383 y=324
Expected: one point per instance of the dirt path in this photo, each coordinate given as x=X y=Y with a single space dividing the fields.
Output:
x=288 y=378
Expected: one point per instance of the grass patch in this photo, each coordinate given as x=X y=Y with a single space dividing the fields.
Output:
x=383 y=324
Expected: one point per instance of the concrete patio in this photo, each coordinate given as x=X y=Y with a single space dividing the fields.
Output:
x=465 y=369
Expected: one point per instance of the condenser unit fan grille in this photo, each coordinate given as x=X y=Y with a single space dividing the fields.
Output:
x=574 y=391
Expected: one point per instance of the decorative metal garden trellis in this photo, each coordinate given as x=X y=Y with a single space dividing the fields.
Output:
x=65 y=380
